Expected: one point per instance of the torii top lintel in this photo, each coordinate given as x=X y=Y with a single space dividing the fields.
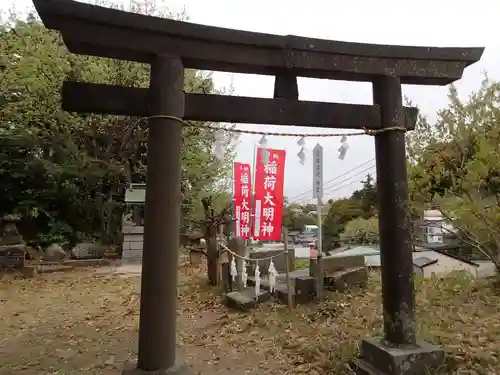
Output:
x=94 y=30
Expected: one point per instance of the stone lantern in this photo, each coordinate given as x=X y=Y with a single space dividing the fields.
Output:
x=12 y=247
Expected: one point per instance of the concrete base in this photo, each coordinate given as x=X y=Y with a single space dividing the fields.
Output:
x=179 y=368
x=377 y=358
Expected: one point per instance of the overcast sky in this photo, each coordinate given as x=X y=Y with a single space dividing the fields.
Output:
x=441 y=23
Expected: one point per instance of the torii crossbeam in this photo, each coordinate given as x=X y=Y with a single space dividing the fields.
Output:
x=170 y=46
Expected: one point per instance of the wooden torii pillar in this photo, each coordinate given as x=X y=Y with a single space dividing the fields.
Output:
x=169 y=47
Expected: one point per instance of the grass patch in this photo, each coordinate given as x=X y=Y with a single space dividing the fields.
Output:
x=301 y=263
x=74 y=323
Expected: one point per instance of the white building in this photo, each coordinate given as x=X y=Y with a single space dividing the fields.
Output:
x=431 y=263
x=436 y=227
x=427 y=263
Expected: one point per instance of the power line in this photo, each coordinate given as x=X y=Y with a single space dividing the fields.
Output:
x=336 y=187
x=354 y=175
x=333 y=179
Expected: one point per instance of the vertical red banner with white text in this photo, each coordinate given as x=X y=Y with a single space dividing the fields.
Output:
x=242 y=191
x=269 y=184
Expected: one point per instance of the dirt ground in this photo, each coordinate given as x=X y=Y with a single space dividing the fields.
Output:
x=83 y=322
x=86 y=322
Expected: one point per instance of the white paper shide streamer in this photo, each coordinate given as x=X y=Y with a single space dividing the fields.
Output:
x=265 y=153
x=344 y=146
x=244 y=275
x=272 y=276
x=257 y=281
x=233 y=271
x=219 y=144
x=302 y=153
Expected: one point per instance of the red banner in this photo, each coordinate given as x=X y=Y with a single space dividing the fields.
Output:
x=269 y=183
x=242 y=192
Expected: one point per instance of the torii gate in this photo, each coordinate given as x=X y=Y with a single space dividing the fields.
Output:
x=170 y=46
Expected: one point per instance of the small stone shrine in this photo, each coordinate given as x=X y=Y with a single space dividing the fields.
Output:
x=12 y=246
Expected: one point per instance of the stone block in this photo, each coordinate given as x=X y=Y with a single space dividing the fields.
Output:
x=135 y=229
x=132 y=254
x=133 y=238
x=136 y=245
x=379 y=358
x=341 y=281
x=305 y=289
x=332 y=264
x=245 y=300
x=132 y=257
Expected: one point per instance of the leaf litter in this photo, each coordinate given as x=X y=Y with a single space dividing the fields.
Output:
x=82 y=322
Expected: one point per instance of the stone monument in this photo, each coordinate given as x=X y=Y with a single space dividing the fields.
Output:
x=12 y=246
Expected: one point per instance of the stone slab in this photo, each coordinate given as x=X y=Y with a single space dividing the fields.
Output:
x=245 y=300
x=378 y=358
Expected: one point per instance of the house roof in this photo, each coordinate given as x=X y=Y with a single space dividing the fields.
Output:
x=358 y=250
x=423 y=261
x=444 y=252
x=372 y=254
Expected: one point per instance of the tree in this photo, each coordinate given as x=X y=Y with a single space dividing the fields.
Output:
x=211 y=224
x=361 y=231
x=295 y=217
x=65 y=174
x=367 y=197
x=459 y=170
x=340 y=213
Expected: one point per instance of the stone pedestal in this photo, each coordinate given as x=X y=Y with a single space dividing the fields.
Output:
x=378 y=358
x=133 y=239
x=179 y=368
x=12 y=247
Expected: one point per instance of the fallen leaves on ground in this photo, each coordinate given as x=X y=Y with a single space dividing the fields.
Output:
x=81 y=322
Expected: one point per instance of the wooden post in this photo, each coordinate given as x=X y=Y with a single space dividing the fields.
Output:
x=158 y=314
x=287 y=270
x=320 y=274
x=395 y=231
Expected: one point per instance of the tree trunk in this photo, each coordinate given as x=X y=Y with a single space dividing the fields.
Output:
x=212 y=255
